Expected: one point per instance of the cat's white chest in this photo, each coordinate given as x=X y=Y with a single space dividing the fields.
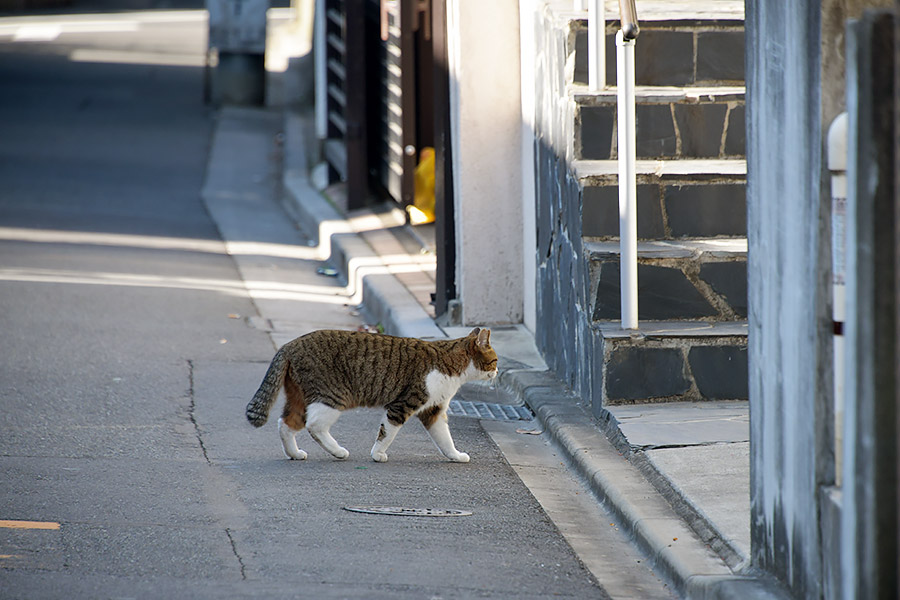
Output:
x=441 y=388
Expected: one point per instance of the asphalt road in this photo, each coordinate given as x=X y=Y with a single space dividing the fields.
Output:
x=128 y=351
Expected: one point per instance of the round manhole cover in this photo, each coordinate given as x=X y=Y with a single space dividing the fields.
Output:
x=402 y=511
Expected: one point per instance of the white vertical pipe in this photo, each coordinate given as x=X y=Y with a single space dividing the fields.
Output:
x=627 y=182
x=596 y=45
x=837 y=164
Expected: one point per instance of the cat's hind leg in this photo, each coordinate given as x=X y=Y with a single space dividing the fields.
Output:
x=319 y=419
x=293 y=419
x=436 y=424
x=289 y=441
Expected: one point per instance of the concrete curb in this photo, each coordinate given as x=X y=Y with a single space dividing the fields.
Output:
x=385 y=299
x=676 y=551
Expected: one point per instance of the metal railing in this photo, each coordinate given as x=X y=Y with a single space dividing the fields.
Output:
x=625 y=108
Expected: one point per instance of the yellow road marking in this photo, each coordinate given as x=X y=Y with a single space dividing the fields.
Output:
x=28 y=524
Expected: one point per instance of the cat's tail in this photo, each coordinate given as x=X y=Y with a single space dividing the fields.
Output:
x=258 y=408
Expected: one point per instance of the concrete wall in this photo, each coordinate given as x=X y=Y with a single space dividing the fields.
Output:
x=870 y=488
x=789 y=293
x=819 y=541
x=486 y=129
x=527 y=59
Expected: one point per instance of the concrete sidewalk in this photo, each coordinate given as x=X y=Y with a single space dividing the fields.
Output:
x=676 y=478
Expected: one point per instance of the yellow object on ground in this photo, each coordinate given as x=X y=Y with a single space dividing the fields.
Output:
x=422 y=210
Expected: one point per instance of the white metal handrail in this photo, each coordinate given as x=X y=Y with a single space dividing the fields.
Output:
x=596 y=45
x=627 y=180
x=625 y=108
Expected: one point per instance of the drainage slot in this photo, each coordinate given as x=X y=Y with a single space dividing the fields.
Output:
x=488 y=410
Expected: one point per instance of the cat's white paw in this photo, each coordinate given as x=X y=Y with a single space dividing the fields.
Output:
x=461 y=457
x=379 y=456
x=294 y=454
x=341 y=453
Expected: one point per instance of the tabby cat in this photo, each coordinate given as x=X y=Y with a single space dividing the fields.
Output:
x=326 y=372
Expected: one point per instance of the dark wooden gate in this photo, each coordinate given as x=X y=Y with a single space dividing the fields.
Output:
x=388 y=98
x=380 y=95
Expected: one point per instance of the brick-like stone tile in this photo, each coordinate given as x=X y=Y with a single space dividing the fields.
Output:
x=581 y=57
x=706 y=210
x=720 y=371
x=596 y=131
x=700 y=127
x=635 y=373
x=655 y=131
x=663 y=58
x=736 y=138
x=600 y=212
x=729 y=280
x=664 y=293
x=720 y=56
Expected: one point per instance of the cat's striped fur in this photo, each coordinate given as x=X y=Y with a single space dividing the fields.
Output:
x=329 y=371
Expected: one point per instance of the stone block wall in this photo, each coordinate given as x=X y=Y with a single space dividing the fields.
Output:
x=563 y=304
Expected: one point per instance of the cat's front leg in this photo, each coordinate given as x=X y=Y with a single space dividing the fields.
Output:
x=386 y=434
x=438 y=428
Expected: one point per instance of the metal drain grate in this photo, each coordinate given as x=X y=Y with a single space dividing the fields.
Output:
x=488 y=410
x=402 y=511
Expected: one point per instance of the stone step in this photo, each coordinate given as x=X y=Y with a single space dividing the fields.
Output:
x=681 y=43
x=676 y=198
x=689 y=279
x=673 y=361
x=672 y=122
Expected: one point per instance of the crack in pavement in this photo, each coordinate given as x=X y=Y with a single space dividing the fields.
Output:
x=236 y=554
x=192 y=411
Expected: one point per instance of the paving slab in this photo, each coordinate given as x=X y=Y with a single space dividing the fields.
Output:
x=715 y=479
x=683 y=423
x=278 y=263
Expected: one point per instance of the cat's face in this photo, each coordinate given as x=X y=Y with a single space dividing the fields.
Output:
x=484 y=359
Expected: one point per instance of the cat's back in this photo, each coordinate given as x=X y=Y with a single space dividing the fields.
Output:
x=359 y=350
x=352 y=368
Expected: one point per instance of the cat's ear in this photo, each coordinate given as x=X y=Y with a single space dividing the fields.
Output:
x=484 y=338
x=475 y=332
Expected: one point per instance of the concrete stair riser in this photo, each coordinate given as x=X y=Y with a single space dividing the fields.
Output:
x=673 y=368
x=667 y=53
x=687 y=207
x=680 y=128
x=674 y=289
x=695 y=279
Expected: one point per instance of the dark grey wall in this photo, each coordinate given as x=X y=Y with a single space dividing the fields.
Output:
x=788 y=273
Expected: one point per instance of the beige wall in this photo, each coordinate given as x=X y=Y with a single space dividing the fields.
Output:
x=486 y=124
